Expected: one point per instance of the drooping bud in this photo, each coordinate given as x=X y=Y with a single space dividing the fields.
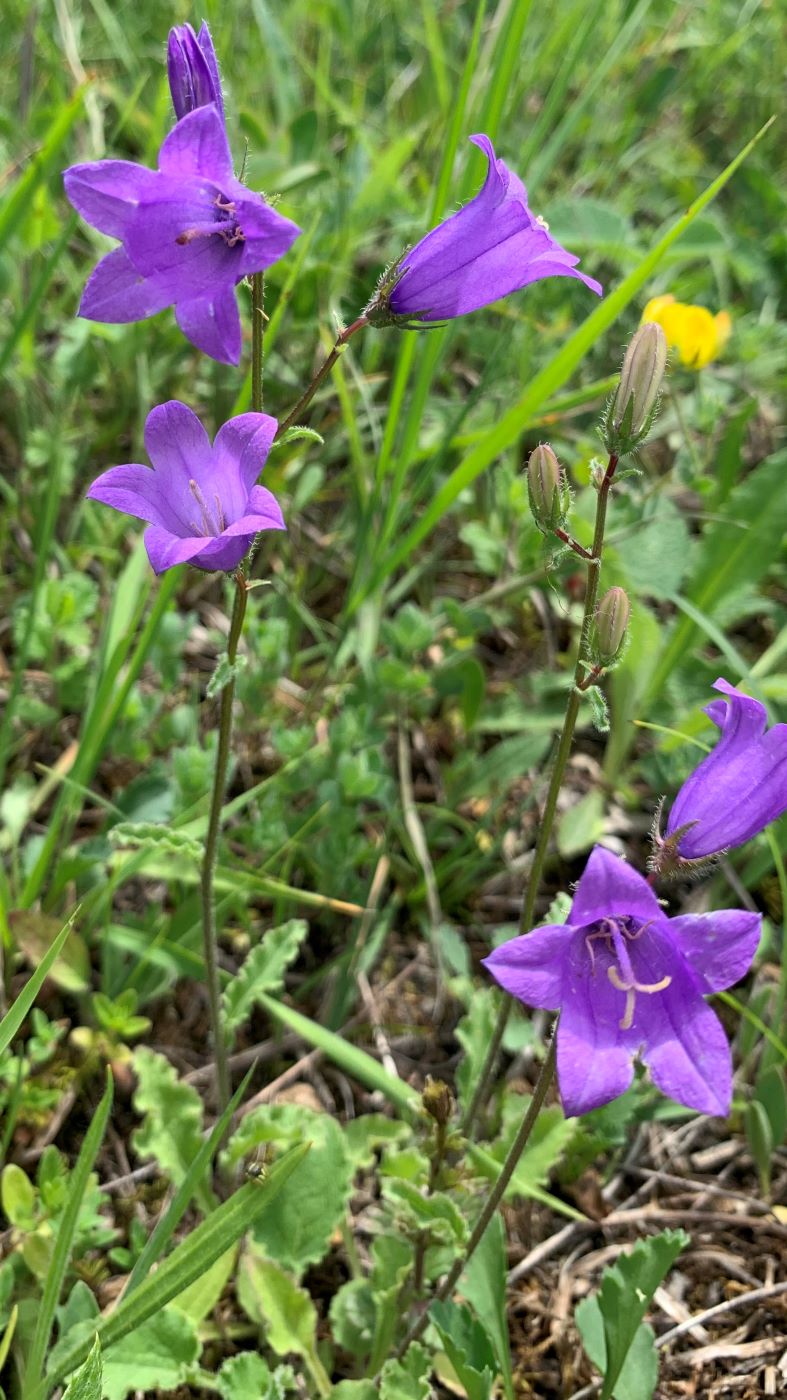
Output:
x=436 y=1099
x=633 y=405
x=612 y=618
x=546 y=489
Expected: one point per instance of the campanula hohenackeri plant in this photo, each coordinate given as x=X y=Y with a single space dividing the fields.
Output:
x=629 y=981
x=193 y=70
x=189 y=233
x=201 y=500
x=491 y=247
x=739 y=788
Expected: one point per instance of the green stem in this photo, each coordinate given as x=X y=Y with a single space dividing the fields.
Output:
x=325 y=369
x=495 y=1195
x=556 y=779
x=257 y=329
x=211 y=846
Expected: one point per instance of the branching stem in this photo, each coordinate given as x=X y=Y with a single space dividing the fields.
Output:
x=324 y=370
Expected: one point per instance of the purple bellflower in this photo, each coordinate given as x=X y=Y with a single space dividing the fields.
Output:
x=491 y=247
x=739 y=788
x=201 y=500
x=189 y=232
x=629 y=981
x=193 y=70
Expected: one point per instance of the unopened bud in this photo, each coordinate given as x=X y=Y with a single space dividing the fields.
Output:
x=437 y=1101
x=634 y=403
x=546 y=489
x=612 y=619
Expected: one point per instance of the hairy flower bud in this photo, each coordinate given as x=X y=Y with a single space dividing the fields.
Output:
x=633 y=405
x=612 y=618
x=437 y=1101
x=546 y=489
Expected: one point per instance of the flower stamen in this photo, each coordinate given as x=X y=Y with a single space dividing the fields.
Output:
x=631 y=988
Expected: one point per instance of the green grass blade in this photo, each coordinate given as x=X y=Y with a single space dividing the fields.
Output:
x=13 y=1019
x=19 y=200
x=349 y=1058
x=65 y=1237
x=186 y=1263
x=166 y=1226
x=550 y=378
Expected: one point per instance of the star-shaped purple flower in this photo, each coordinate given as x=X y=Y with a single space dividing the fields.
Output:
x=202 y=500
x=192 y=69
x=491 y=247
x=629 y=981
x=189 y=232
x=740 y=787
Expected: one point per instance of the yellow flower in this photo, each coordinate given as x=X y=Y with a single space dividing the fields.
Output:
x=697 y=336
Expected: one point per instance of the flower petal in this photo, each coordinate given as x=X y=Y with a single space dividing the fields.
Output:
x=719 y=946
x=107 y=192
x=531 y=967
x=263 y=512
x=198 y=145
x=594 y=1065
x=241 y=447
x=180 y=450
x=687 y=1051
x=268 y=234
x=213 y=325
x=178 y=239
x=165 y=549
x=137 y=491
x=610 y=888
x=115 y=292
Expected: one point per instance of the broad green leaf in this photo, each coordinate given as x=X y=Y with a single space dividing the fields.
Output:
x=407 y=1379
x=248 y=1377
x=355 y=1390
x=35 y=934
x=656 y=557
x=363 y=1135
x=581 y=825
x=86 y=1383
x=270 y=1297
x=310 y=1208
x=155 y=1356
x=467 y=1347
x=353 y=1316
x=172 y=1111
x=640 y=1371
x=18 y=1196
x=625 y=1293
x=263 y=970
x=483 y=1284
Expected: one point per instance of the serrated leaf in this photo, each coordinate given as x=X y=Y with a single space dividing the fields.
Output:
x=298 y=1232
x=467 y=1347
x=86 y=1383
x=270 y=1297
x=263 y=970
x=225 y=672
x=172 y=1130
x=625 y=1293
x=248 y=1377
x=298 y=433
x=437 y=1213
x=150 y=836
x=407 y=1379
x=372 y=1130
x=640 y=1371
x=155 y=1356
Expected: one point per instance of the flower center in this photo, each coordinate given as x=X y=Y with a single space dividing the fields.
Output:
x=226 y=226
x=209 y=526
x=616 y=934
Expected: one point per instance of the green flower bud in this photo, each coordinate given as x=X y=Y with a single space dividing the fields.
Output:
x=612 y=618
x=436 y=1099
x=546 y=489
x=633 y=406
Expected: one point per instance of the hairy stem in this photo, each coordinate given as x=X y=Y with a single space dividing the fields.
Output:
x=495 y=1195
x=556 y=779
x=211 y=847
x=325 y=369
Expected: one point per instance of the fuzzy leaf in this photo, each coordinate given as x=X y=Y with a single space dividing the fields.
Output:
x=640 y=1371
x=172 y=1130
x=248 y=1377
x=155 y=1356
x=407 y=1379
x=353 y=1315
x=307 y=1212
x=263 y=970
x=225 y=672
x=86 y=1383
x=150 y=836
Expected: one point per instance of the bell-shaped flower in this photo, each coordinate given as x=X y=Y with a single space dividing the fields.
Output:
x=189 y=233
x=491 y=247
x=193 y=70
x=201 y=499
x=628 y=981
x=739 y=788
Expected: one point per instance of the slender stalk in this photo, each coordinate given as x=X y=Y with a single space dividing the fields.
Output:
x=556 y=779
x=325 y=369
x=211 y=847
x=495 y=1195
